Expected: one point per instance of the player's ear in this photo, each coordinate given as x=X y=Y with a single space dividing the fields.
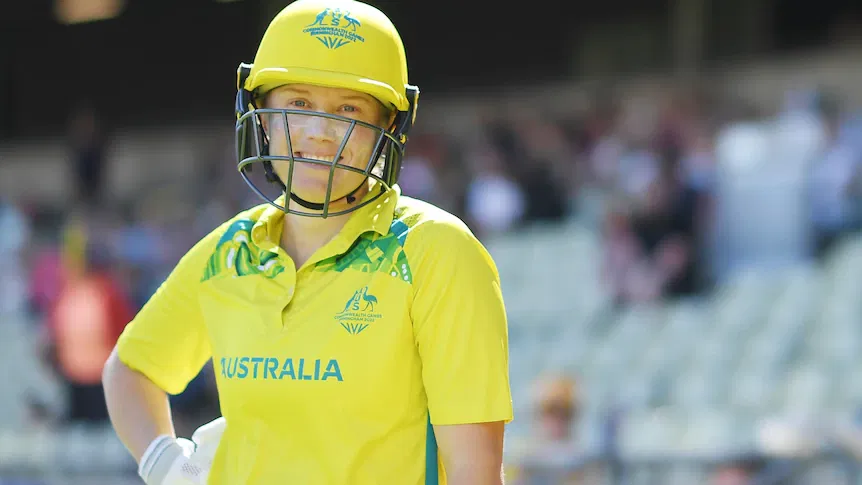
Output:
x=262 y=102
x=387 y=117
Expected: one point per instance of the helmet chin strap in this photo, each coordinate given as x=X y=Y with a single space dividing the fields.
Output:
x=350 y=198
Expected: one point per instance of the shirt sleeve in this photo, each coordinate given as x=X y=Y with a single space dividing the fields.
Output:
x=460 y=325
x=168 y=340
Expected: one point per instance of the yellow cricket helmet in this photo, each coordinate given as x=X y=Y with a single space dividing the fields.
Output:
x=331 y=43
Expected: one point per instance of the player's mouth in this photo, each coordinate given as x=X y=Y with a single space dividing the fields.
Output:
x=314 y=156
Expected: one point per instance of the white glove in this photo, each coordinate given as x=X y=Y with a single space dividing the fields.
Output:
x=170 y=461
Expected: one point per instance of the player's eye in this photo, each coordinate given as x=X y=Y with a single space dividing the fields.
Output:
x=299 y=103
x=350 y=109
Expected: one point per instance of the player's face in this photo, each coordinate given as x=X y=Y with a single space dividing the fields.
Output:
x=319 y=138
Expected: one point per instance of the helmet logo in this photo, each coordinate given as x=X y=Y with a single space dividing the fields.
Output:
x=334 y=28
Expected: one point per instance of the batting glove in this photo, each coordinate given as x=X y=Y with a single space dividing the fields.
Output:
x=178 y=461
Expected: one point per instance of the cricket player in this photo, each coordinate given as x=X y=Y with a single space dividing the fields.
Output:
x=358 y=336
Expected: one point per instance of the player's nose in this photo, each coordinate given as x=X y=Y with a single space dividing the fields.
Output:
x=321 y=128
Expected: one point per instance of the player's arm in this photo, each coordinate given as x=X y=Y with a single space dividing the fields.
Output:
x=138 y=408
x=159 y=352
x=461 y=333
x=472 y=453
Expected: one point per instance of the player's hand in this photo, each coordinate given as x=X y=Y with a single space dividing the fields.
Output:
x=170 y=461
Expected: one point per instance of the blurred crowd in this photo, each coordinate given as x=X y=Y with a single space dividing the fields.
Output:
x=643 y=177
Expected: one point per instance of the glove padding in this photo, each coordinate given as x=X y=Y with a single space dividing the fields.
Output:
x=170 y=461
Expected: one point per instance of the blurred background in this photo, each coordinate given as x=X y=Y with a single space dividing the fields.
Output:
x=672 y=190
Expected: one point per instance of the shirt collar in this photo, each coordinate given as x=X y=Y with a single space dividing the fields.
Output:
x=374 y=216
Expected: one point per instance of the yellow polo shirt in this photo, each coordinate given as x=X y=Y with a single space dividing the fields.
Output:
x=333 y=373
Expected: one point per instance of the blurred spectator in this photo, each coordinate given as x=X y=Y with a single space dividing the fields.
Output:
x=621 y=252
x=697 y=168
x=650 y=250
x=14 y=238
x=142 y=251
x=552 y=456
x=494 y=201
x=547 y=197
x=697 y=172
x=834 y=186
x=87 y=146
x=419 y=175
x=83 y=325
x=534 y=153
x=638 y=170
x=604 y=159
x=418 y=178
x=46 y=277
x=666 y=230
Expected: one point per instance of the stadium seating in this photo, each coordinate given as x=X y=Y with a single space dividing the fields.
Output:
x=695 y=377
